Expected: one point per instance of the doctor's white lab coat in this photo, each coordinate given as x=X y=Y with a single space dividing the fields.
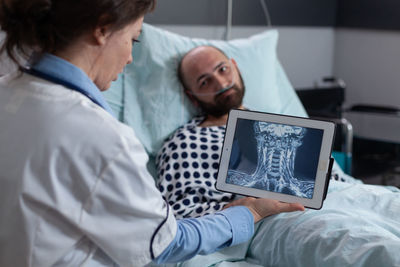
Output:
x=73 y=182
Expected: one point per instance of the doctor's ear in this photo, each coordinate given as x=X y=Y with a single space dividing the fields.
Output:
x=103 y=29
x=101 y=34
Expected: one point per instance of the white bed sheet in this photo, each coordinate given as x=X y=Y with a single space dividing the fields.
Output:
x=359 y=225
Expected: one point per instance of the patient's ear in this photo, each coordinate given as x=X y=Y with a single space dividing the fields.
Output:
x=235 y=66
x=192 y=98
x=234 y=62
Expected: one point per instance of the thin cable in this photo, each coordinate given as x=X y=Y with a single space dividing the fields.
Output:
x=228 y=21
x=266 y=13
x=221 y=91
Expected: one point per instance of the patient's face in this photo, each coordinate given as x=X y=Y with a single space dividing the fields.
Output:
x=206 y=71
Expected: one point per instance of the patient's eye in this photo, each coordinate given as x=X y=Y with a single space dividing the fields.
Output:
x=203 y=83
x=225 y=69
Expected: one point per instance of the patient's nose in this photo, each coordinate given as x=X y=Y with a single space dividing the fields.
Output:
x=222 y=81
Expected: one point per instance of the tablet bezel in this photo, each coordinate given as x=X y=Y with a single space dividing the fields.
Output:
x=328 y=129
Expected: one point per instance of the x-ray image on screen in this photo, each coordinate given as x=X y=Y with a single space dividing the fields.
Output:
x=275 y=157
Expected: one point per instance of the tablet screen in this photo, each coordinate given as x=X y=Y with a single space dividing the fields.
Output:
x=275 y=157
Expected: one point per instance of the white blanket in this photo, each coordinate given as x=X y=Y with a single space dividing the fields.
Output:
x=359 y=225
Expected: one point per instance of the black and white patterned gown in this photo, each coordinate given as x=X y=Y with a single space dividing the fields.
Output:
x=187 y=167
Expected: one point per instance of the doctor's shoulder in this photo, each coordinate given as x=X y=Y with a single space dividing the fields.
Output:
x=100 y=129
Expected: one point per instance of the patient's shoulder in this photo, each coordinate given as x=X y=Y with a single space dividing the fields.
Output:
x=178 y=137
x=190 y=126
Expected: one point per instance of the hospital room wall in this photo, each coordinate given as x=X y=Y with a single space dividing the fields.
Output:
x=367 y=51
x=369 y=62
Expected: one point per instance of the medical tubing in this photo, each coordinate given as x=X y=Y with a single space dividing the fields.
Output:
x=266 y=13
x=228 y=21
x=225 y=89
x=156 y=231
x=214 y=93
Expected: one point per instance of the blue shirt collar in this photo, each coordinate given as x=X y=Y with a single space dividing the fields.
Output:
x=70 y=76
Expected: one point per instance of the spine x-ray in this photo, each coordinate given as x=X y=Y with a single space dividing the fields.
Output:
x=275 y=157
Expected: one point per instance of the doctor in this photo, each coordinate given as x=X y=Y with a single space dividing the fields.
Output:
x=74 y=189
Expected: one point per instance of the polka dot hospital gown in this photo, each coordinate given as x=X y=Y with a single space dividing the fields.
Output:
x=187 y=167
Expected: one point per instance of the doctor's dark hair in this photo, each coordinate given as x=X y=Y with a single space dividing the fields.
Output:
x=52 y=25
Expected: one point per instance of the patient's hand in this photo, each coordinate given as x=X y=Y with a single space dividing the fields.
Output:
x=263 y=207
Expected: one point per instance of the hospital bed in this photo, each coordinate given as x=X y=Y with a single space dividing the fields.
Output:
x=359 y=224
x=327 y=103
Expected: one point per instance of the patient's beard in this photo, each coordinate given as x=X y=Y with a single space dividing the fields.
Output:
x=222 y=105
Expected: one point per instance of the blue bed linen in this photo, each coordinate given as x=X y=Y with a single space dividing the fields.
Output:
x=359 y=225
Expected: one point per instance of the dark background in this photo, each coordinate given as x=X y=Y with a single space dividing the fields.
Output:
x=364 y=14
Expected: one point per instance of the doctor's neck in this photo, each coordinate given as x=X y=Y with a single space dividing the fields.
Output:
x=83 y=56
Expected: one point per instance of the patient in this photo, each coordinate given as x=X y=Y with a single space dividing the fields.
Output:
x=359 y=225
x=188 y=162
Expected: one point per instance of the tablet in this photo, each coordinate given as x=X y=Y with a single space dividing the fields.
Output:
x=276 y=156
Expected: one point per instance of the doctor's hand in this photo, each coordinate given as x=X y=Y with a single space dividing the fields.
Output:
x=263 y=207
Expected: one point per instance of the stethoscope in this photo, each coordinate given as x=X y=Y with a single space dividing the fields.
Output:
x=65 y=83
